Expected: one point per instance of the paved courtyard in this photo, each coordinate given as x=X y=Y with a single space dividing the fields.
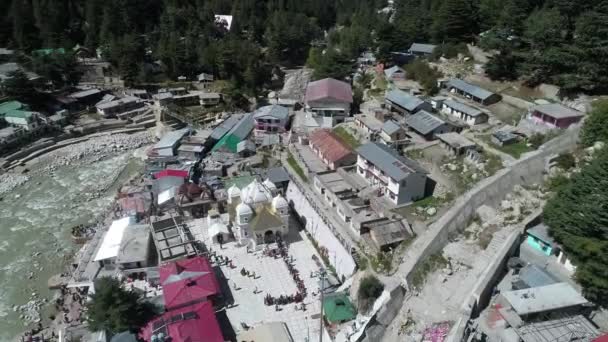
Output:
x=272 y=277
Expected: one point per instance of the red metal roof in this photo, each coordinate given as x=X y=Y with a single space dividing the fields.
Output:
x=329 y=88
x=194 y=323
x=171 y=173
x=603 y=338
x=330 y=146
x=188 y=281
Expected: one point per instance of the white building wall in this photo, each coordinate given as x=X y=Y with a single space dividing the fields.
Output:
x=340 y=256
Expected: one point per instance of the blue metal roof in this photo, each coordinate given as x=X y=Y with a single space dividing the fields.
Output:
x=470 y=89
x=388 y=160
x=404 y=100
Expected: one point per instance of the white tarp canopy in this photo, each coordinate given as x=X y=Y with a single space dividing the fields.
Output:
x=111 y=241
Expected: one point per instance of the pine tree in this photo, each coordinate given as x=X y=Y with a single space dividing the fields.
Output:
x=596 y=124
x=578 y=219
x=456 y=21
x=115 y=309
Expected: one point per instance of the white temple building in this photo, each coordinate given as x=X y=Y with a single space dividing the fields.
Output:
x=258 y=213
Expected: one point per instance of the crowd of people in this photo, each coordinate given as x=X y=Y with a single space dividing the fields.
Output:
x=282 y=252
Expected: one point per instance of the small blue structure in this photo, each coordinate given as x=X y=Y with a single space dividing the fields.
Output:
x=538 y=237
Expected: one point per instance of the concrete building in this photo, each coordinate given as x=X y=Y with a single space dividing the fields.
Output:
x=393 y=135
x=205 y=80
x=456 y=144
x=504 y=138
x=470 y=115
x=162 y=99
x=210 y=99
x=547 y=299
x=19 y=115
x=11 y=135
x=190 y=152
x=270 y=120
x=239 y=132
x=108 y=251
x=399 y=101
x=422 y=50
x=554 y=115
x=87 y=97
x=369 y=124
x=120 y=106
x=330 y=149
x=168 y=144
x=173 y=239
x=329 y=101
x=399 y=179
x=258 y=213
x=538 y=238
x=428 y=125
x=394 y=73
x=279 y=177
x=137 y=249
x=472 y=92
x=187 y=100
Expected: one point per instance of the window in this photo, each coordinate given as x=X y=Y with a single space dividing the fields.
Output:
x=403 y=183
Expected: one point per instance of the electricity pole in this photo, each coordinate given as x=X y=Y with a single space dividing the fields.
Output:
x=322 y=290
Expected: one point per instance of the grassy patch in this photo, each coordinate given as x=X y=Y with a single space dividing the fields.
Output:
x=382 y=262
x=493 y=163
x=516 y=149
x=414 y=154
x=429 y=265
x=294 y=165
x=346 y=137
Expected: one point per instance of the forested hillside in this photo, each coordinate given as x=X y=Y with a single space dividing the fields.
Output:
x=559 y=41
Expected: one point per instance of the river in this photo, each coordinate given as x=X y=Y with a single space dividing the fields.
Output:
x=35 y=222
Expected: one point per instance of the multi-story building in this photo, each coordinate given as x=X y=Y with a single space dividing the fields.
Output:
x=19 y=114
x=393 y=135
x=399 y=179
x=269 y=120
x=329 y=101
x=120 y=106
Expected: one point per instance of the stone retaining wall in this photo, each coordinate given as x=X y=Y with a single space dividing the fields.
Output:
x=526 y=171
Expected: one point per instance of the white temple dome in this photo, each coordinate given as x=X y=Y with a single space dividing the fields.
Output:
x=279 y=202
x=243 y=209
x=256 y=192
x=270 y=185
x=234 y=191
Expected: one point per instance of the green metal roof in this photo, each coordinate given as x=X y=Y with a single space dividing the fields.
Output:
x=338 y=308
x=238 y=133
x=6 y=107
x=16 y=113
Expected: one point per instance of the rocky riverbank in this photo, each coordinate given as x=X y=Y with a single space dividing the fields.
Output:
x=84 y=153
